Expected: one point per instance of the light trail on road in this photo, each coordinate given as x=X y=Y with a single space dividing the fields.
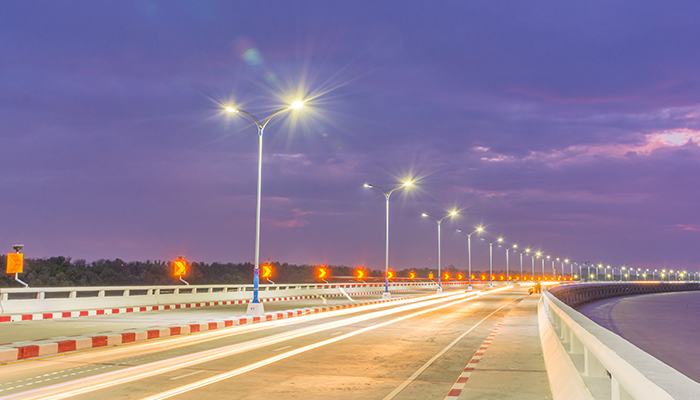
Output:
x=239 y=371
x=106 y=380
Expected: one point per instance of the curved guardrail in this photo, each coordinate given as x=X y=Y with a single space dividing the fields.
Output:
x=587 y=361
x=579 y=294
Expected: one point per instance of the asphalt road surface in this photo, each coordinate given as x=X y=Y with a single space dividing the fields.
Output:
x=411 y=349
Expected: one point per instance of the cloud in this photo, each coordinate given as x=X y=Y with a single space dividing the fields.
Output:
x=294 y=223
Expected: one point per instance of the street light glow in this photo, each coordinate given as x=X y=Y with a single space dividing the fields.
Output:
x=424 y=214
x=297 y=105
x=408 y=183
x=231 y=110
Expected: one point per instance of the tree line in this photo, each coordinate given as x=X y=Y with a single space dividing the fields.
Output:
x=63 y=271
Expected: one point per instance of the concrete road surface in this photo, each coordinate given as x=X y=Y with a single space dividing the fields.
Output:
x=411 y=349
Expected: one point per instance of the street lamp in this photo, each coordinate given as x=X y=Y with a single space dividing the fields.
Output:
x=386 y=295
x=256 y=307
x=469 y=250
x=499 y=240
x=515 y=246
x=439 y=223
x=521 y=264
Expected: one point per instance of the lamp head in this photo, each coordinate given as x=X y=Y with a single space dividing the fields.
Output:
x=515 y=246
x=232 y=110
x=527 y=250
x=297 y=105
x=424 y=215
x=566 y=260
x=17 y=247
x=408 y=183
x=500 y=239
x=367 y=185
x=453 y=213
x=479 y=229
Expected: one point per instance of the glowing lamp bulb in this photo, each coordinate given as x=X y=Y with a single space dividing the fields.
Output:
x=297 y=105
x=231 y=110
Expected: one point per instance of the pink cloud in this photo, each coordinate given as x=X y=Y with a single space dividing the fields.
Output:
x=293 y=223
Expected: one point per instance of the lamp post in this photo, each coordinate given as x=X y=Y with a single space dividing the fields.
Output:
x=386 y=295
x=515 y=246
x=521 y=266
x=542 y=256
x=491 y=259
x=439 y=223
x=469 y=250
x=256 y=307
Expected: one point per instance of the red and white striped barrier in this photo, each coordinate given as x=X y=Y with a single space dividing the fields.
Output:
x=107 y=311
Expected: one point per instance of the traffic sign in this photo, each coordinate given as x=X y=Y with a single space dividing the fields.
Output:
x=411 y=275
x=359 y=274
x=390 y=274
x=179 y=267
x=15 y=263
x=266 y=271
x=322 y=273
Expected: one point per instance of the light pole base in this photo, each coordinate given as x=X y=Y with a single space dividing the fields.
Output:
x=470 y=287
x=439 y=289
x=386 y=296
x=491 y=285
x=255 y=309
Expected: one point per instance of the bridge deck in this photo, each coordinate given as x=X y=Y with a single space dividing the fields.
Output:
x=512 y=365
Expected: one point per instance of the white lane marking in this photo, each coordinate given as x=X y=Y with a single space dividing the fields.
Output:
x=438 y=355
x=186 y=375
x=239 y=371
x=282 y=348
x=336 y=333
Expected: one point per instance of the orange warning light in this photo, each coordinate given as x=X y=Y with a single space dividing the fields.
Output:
x=446 y=276
x=411 y=275
x=430 y=275
x=266 y=271
x=359 y=274
x=501 y=277
x=460 y=277
x=390 y=274
x=483 y=277
x=179 y=267
x=15 y=263
x=517 y=278
x=322 y=273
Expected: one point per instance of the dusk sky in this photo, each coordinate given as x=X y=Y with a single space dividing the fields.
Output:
x=569 y=127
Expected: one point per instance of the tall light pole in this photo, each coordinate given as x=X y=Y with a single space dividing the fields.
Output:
x=542 y=256
x=521 y=266
x=514 y=246
x=491 y=259
x=469 y=250
x=386 y=295
x=532 y=258
x=256 y=307
x=439 y=224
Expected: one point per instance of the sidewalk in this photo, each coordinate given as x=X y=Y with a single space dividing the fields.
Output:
x=509 y=365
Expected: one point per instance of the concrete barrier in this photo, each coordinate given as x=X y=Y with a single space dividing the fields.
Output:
x=587 y=361
x=579 y=294
x=51 y=300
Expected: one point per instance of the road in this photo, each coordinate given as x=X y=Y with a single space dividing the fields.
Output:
x=411 y=349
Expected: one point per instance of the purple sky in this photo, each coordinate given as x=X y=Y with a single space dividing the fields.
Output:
x=570 y=127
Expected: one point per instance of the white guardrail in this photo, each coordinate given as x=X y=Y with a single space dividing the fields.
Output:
x=58 y=299
x=586 y=361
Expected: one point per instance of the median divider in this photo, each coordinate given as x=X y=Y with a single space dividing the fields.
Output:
x=19 y=351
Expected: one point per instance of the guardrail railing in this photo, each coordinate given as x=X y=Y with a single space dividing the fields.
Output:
x=58 y=299
x=587 y=361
